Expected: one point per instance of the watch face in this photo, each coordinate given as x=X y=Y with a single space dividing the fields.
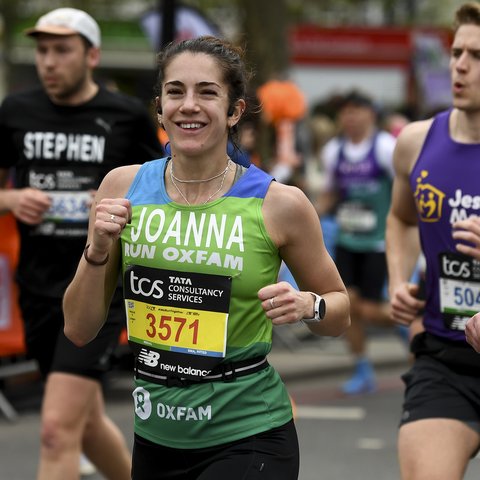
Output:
x=322 y=309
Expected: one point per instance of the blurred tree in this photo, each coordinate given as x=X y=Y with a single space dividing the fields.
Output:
x=265 y=27
x=264 y=32
x=8 y=13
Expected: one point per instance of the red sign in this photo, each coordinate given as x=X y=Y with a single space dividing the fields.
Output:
x=354 y=45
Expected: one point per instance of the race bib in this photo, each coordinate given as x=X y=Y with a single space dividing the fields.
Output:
x=69 y=207
x=177 y=321
x=354 y=217
x=69 y=192
x=459 y=287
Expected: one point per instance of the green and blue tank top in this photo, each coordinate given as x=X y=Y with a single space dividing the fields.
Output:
x=191 y=277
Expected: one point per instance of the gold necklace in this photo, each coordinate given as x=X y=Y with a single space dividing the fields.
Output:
x=202 y=180
x=224 y=173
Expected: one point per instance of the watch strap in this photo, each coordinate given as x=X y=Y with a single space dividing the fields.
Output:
x=319 y=309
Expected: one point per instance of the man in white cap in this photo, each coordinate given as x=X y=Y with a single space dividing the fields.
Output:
x=61 y=140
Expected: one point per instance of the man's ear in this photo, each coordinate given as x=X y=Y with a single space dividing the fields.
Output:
x=93 y=57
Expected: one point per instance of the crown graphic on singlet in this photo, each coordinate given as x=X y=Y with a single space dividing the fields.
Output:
x=429 y=200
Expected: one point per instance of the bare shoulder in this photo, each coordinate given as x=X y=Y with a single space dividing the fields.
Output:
x=287 y=209
x=117 y=181
x=285 y=198
x=415 y=132
x=417 y=127
x=409 y=144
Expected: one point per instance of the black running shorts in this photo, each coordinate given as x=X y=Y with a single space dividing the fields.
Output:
x=366 y=271
x=47 y=344
x=442 y=383
x=271 y=455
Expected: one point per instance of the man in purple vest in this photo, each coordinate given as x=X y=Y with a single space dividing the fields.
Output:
x=358 y=180
x=436 y=189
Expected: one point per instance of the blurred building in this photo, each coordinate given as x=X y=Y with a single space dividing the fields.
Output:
x=394 y=65
x=335 y=44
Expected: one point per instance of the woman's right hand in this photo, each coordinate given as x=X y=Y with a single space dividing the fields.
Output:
x=111 y=216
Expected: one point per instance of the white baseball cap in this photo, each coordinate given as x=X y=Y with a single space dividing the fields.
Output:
x=68 y=21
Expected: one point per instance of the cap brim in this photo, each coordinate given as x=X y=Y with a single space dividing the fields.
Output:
x=50 y=30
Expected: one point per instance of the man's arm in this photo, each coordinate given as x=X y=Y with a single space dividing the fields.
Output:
x=402 y=241
x=327 y=197
x=27 y=204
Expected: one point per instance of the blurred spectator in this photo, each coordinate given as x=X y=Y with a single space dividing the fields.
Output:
x=358 y=179
x=283 y=106
x=61 y=140
x=321 y=128
x=394 y=122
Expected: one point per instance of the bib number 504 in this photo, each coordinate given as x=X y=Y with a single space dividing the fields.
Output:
x=466 y=296
x=168 y=326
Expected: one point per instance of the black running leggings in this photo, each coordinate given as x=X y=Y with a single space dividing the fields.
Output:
x=271 y=455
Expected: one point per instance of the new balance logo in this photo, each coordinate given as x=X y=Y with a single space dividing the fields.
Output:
x=147 y=357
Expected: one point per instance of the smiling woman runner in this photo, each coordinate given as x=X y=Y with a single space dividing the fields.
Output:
x=200 y=240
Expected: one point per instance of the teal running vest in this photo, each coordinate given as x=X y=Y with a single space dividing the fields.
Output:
x=191 y=277
x=365 y=190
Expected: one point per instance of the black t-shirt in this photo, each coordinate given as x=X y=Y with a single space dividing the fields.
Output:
x=66 y=151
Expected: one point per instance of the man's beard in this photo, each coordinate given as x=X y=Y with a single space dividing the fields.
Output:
x=68 y=91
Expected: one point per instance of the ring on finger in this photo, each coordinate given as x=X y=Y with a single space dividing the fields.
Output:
x=272 y=302
x=112 y=218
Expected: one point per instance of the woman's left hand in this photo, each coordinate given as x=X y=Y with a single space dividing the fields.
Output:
x=284 y=304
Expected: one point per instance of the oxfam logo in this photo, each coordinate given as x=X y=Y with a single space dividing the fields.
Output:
x=143 y=405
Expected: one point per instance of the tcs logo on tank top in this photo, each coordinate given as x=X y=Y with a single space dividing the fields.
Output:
x=145 y=286
x=430 y=202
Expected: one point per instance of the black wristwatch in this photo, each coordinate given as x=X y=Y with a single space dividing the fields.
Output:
x=319 y=308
